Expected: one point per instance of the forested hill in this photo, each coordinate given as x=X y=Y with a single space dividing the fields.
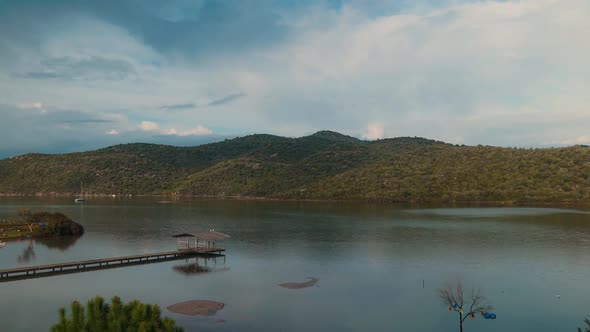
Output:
x=325 y=165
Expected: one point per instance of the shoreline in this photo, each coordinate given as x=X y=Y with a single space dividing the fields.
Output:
x=29 y=237
x=36 y=225
x=188 y=198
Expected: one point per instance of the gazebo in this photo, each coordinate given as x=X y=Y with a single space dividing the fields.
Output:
x=201 y=242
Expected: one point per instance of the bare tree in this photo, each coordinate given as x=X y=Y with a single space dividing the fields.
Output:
x=454 y=296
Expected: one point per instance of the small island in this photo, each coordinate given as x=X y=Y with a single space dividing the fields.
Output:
x=29 y=224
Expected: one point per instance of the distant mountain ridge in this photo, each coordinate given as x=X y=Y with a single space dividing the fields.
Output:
x=325 y=165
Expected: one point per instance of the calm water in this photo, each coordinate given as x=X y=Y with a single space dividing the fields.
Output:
x=371 y=260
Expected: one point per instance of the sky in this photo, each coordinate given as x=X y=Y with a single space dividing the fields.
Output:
x=79 y=75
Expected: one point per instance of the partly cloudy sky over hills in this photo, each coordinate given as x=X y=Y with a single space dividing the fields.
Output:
x=76 y=75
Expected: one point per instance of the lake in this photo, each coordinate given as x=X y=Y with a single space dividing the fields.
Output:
x=379 y=266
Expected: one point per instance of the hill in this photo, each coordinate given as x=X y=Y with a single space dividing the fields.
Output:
x=325 y=165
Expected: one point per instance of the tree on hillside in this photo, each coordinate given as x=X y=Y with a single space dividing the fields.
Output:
x=470 y=307
x=99 y=316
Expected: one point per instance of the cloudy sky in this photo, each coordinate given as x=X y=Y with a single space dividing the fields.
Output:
x=76 y=75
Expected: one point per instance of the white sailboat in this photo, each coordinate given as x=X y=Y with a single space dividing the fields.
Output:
x=80 y=199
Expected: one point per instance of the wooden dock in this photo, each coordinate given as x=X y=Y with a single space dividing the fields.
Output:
x=37 y=271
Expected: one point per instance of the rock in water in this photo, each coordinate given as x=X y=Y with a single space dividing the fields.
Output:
x=196 y=308
x=298 y=285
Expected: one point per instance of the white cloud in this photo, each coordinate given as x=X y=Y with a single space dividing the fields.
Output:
x=374 y=131
x=585 y=139
x=149 y=126
x=197 y=131
x=112 y=132
x=33 y=106
x=489 y=72
x=482 y=71
x=457 y=140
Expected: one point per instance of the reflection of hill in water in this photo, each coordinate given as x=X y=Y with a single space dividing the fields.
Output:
x=196 y=268
x=61 y=243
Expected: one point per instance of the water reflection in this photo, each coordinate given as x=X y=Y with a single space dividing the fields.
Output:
x=377 y=263
x=59 y=243
x=62 y=243
x=28 y=253
x=200 y=265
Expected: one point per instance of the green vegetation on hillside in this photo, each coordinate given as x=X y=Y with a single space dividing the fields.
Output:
x=326 y=165
x=99 y=316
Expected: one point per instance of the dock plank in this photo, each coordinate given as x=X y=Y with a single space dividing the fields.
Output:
x=101 y=263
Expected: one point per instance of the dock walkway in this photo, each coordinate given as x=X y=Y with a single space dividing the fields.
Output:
x=103 y=263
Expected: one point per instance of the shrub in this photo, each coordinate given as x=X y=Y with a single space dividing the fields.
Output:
x=99 y=316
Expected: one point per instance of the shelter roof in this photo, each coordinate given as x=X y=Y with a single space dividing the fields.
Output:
x=205 y=236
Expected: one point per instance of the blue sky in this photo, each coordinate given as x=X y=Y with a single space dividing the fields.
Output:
x=78 y=75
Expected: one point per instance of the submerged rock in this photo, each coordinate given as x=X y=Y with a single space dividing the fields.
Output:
x=196 y=308
x=298 y=285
